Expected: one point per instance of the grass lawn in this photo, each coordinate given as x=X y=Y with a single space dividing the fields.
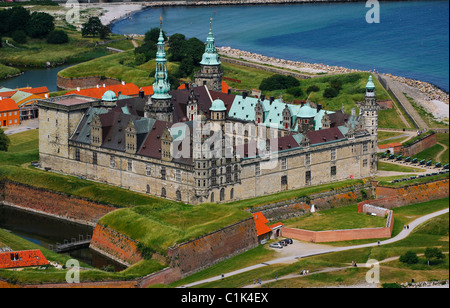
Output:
x=431 y=153
x=344 y=217
x=398 y=168
x=6 y=71
x=434 y=233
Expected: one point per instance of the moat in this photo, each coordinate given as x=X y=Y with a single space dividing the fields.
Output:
x=47 y=232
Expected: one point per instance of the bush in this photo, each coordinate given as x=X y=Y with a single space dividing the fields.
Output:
x=4 y=141
x=296 y=91
x=278 y=82
x=330 y=93
x=20 y=37
x=40 y=25
x=312 y=88
x=409 y=257
x=57 y=37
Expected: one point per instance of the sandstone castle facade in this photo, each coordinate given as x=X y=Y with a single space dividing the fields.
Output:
x=199 y=144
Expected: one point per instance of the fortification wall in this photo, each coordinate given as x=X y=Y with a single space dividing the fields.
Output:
x=207 y=250
x=115 y=245
x=419 y=146
x=85 y=82
x=388 y=197
x=52 y=203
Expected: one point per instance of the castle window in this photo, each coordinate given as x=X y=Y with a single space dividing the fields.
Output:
x=365 y=148
x=333 y=154
x=283 y=164
x=222 y=194
x=178 y=195
x=257 y=169
x=365 y=163
x=148 y=189
x=228 y=174
x=148 y=170
x=333 y=170
x=130 y=165
x=77 y=154
x=163 y=173
x=284 y=180
x=163 y=192
x=94 y=158
x=112 y=162
x=178 y=176
x=308 y=177
x=308 y=159
x=232 y=193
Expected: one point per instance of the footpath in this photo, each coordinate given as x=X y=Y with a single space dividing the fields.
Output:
x=322 y=249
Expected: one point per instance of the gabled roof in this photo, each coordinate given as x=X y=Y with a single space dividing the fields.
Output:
x=260 y=223
x=23 y=258
x=324 y=135
x=128 y=89
x=8 y=104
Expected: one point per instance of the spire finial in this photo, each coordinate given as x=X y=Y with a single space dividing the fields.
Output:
x=210 y=22
x=160 y=21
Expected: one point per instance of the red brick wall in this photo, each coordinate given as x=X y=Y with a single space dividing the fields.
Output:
x=205 y=251
x=54 y=203
x=419 y=146
x=26 y=258
x=86 y=82
x=116 y=245
x=393 y=197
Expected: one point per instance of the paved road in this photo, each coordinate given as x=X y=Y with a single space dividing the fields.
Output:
x=323 y=249
x=24 y=126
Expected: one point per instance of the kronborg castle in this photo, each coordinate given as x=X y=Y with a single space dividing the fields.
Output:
x=198 y=144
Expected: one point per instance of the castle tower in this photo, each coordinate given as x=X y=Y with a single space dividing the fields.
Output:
x=160 y=105
x=369 y=109
x=369 y=118
x=210 y=73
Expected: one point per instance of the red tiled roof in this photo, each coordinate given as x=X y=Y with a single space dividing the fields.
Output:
x=7 y=94
x=8 y=105
x=260 y=223
x=24 y=258
x=40 y=90
x=129 y=89
x=148 y=90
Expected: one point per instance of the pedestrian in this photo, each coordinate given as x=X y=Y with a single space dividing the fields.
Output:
x=407 y=226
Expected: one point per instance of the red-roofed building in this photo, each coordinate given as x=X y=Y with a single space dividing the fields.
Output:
x=127 y=89
x=9 y=112
x=392 y=148
x=23 y=258
x=263 y=231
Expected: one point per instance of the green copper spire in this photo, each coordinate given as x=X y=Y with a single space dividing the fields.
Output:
x=210 y=57
x=370 y=85
x=161 y=86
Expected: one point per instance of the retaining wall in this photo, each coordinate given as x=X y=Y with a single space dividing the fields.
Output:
x=53 y=203
x=85 y=82
x=419 y=146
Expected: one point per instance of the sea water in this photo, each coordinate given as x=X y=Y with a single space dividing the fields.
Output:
x=411 y=39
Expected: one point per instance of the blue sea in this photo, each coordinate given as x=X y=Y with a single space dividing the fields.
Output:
x=411 y=40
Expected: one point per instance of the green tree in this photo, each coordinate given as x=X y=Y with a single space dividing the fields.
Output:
x=4 y=141
x=14 y=19
x=40 y=25
x=94 y=27
x=312 y=88
x=278 y=82
x=176 y=51
x=19 y=36
x=153 y=34
x=330 y=93
x=57 y=37
x=186 y=67
x=433 y=254
x=295 y=91
x=409 y=257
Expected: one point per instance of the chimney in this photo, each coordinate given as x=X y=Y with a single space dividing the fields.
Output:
x=123 y=83
x=263 y=97
x=78 y=89
x=272 y=98
x=141 y=94
x=186 y=85
x=229 y=91
x=104 y=85
x=98 y=86
x=244 y=94
x=319 y=107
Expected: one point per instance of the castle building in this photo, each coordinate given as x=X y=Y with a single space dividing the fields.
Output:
x=210 y=73
x=199 y=145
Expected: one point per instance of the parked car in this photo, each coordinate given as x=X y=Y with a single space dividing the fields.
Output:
x=289 y=241
x=276 y=245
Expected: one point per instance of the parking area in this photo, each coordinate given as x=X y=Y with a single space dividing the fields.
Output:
x=299 y=247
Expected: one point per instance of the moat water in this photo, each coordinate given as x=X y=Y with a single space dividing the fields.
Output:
x=45 y=231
